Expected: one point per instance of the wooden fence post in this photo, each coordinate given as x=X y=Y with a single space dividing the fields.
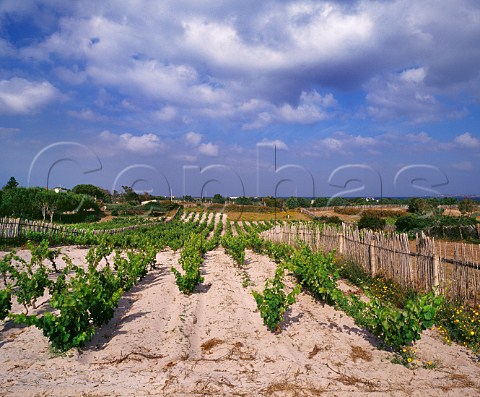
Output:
x=341 y=243
x=373 y=259
x=436 y=274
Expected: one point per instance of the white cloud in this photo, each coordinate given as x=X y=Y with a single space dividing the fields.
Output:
x=279 y=37
x=146 y=144
x=341 y=143
x=208 y=149
x=311 y=108
x=421 y=137
x=262 y=119
x=332 y=144
x=280 y=145
x=20 y=96
x=221 y=44
x=323 y=31
x=167 y=113
x=259 y=64
x=415 y=75
x=404 y=95
x=192 y=138
x=467 y=141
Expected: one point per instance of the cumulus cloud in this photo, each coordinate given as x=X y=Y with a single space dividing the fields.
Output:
x=21 y=96
x=467 y=141
x=192 y=138
x=146 y=144
x=208 y=149
x=420 y=138
x=198 y=57
x=293 y=62
x=312 y=107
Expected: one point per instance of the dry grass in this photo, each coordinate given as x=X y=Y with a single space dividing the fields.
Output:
x=290 y=389
x=360 y=353
x=259 y=216
x=210 y=344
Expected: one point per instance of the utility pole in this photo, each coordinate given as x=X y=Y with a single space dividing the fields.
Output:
x=275 y=168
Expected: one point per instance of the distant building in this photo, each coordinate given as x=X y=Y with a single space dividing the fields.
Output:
x=60 y=189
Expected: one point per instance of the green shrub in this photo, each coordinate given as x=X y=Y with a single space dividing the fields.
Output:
x=5 y=303
x=408 y=223
x=371 y=222
x=190 y=259
x=274 y=302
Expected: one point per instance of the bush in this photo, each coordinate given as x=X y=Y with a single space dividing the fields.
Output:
x=329 y=219
x=91 y=218
x=467 y=206
x=371 y=222
x=407 y=223
x=5 y=303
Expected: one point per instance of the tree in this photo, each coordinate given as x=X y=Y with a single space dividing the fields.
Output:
x=406 y=223
x=49 y=202
x=243 y=201
x=20 y=202
x=467 y=206
x=295 y=202
x=218 y=199
x=92 y=190
x=337 y=202
x=418 y=206
x=52 y=203
x=321 y=202
x=273 y=202
x=130 y=195
x=11 y=184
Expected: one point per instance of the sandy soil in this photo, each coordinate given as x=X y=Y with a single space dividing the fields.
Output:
x=213 y=343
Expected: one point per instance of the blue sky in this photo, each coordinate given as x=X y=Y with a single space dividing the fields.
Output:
x=348 y=97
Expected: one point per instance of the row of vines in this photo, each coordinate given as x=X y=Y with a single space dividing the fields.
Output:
x=318 y=273
x=83 y=298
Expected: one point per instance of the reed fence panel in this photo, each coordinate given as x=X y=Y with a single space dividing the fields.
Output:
x=451 y=269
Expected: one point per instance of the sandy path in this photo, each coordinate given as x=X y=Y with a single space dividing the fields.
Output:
x=213 y=342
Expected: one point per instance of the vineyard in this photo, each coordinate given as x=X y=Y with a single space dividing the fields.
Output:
x=201 y=305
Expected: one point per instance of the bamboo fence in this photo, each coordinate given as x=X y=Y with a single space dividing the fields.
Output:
x=429 y=267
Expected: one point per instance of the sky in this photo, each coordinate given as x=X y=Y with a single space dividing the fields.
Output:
x=254 y=98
